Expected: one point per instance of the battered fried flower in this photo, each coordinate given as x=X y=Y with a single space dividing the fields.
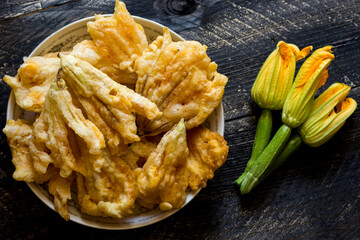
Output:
x=110 y=191
x=33 y=81
x=40 y=155
x=180 y=79
x=98 y=113
x=19 y=135
x=117 y=42
x=115 y=103
x=207 y=152
x=164 y=177
x=54 y=125
x=60 y=188
x=138 y=152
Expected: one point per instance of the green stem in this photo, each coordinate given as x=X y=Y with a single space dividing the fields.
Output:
x=260 y=167
x=292 y=146
x=262 y=137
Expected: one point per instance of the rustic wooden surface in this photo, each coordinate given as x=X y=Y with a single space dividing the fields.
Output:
x=315 y=195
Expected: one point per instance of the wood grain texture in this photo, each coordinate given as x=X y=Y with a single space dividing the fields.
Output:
x=315 y=195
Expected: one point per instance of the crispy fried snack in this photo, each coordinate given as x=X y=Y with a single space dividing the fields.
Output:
x=40 y=155
x=55 y=142
x=139 y=151
x=19 y=135
x=180 y=79
x=207 y=152
x=59 y=187
x=115 y=103
x=52 y=129
x=110 y=191
x=117 y=42
x=131 y=158
x=33 y=81
x=164 y=177
x=143 y=148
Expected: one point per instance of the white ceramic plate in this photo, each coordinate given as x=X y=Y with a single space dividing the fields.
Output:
x=63 y=40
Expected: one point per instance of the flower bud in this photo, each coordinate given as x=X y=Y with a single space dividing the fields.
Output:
x=311 y=76
x=274 y=80
x=328 y=114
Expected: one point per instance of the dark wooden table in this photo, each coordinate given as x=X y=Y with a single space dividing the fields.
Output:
x=315 y=195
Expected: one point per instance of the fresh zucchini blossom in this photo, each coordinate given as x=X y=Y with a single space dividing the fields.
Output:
x=311 y=76
x=276 y=75
x=328 y=114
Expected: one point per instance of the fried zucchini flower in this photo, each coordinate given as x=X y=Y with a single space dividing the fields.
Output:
x=116 y=103
x=117 y=41
x=328 y=114
x=110 y=191
x=138 y=152
x=164 y=177
x=57 y=122
x=60 y=188
x=33 y=81
x=311 y=76
x=207 y=152
x=19 y=135
x=180 y=79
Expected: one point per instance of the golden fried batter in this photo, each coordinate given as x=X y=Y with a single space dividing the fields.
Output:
x=98 y=113
x=131 y=158
x=81 y=154
x=33 y=81
x=164 y=177
x=110 y=191
x=116 y=102
x=73 y=117
x=138 y=152
x=40 y=155
x=180 y=79
x=117 y=42
x=52 y=129
x=60 y=188
x=207 y=152
x=19 y=134
x=32 y=163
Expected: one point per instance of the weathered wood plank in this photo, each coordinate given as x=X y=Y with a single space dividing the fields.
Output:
x=11 y=3
x=54 y=3
x=18 y=10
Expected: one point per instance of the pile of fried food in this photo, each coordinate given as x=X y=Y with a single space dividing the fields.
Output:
x=118 y=119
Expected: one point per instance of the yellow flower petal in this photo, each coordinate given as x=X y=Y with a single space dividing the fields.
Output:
x=275 y=77
x=312 y=75
x=330 y=98
x=328 y=114
x=300 y=54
